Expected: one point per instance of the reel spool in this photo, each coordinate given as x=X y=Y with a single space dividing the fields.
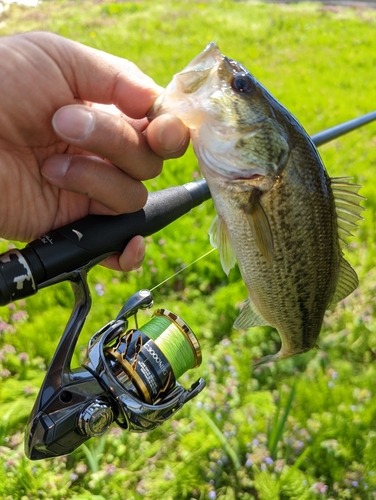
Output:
x=148 y=361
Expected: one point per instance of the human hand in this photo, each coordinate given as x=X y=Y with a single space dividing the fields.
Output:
x=63 y=157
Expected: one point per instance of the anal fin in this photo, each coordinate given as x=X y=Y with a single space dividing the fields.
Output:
x=249 y=317
x=347 y=281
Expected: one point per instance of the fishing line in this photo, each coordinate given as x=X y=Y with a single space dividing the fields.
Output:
x=152 y=357
x=183 y=269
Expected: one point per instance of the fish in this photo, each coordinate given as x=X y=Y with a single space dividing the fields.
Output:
x=278 y=213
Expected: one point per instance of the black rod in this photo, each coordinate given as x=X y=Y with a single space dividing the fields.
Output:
x=84 y=243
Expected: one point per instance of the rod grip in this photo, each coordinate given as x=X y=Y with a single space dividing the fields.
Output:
x=88 y=241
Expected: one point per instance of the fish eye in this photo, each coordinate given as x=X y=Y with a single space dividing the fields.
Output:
x=242 y=82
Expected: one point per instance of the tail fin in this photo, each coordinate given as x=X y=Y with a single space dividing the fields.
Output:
x=280 y=355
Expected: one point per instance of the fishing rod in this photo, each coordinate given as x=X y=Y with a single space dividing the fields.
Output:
x=129 y=376
x=86 y=242
x=344 y=128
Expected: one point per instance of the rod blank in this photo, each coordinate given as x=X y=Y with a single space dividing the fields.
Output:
x=344 y=128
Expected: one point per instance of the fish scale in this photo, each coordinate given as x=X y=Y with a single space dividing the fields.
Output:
x=291 y=295
x=279 y=215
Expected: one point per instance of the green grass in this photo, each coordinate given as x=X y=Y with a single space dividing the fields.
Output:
x=301 y=429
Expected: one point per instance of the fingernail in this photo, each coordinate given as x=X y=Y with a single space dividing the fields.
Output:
x=140 y=254
x=55 y=167
x=74 y=122
x=172 y=135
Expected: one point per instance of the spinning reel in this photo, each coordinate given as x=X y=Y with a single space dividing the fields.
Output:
x=129 y=377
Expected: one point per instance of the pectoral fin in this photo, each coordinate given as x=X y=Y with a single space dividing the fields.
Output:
x=220 y=238
x=260 y=227
x=249 y=317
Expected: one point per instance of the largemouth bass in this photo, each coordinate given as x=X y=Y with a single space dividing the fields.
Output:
x=279 y=214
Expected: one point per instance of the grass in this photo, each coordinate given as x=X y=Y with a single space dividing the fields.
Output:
x=301 y=429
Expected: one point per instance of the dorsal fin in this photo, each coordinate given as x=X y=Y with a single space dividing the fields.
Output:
x=348 y=208
x=220 y=238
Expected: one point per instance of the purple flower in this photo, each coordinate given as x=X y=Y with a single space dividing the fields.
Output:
x=110 y=469
x=169 y=475
x=6 y=327
x=9 y=464
x=225 y=342
x=334 y=375
x=19 y=316
x=212 y=495
x=298 y=445
x=320 y=487
x=99 y=288
x=23 y=357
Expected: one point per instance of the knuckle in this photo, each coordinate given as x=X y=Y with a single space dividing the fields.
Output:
x=137 y=198
x=154 y=168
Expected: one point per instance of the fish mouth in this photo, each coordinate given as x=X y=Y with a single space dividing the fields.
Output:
x=247 y=177
x=236 y=175
x=178 y=92
x=206 y=60
x=262 y=182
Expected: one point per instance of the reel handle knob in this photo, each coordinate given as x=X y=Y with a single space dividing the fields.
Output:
x=95 y=419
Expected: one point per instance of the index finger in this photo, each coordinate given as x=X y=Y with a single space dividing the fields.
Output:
x=97 y=76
